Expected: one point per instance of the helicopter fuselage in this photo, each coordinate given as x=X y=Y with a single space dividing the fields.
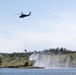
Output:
x=24 y=15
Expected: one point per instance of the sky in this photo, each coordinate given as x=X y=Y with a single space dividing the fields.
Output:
x=52 y=24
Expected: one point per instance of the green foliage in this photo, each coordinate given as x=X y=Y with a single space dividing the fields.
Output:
x=58 y=51
x=0 y=60
x=71 y=58
x=26 y=63
x=19 y=55
x=22 y=59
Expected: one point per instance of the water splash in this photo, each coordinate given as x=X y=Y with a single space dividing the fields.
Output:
x=50 y=60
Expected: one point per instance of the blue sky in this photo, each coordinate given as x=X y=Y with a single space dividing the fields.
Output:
x=52 y=24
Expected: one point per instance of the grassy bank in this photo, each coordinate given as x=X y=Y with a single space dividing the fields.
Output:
x=15 y=60
x=23 y=61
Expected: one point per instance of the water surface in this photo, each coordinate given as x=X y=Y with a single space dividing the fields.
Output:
x=15 y=71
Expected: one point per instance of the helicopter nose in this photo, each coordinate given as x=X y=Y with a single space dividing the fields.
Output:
x=20 y=16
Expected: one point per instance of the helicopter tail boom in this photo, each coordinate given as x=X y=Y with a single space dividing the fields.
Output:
x=29 y=14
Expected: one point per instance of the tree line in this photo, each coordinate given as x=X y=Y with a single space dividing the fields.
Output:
x=50 y=50
x=23 y=54
x=27 y=54
x=58 y=51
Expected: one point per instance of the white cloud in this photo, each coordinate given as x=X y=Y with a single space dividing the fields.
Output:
x=39 y=40
x=63 y=23
x=64 y=39
x=59 y=33
x=11 y=45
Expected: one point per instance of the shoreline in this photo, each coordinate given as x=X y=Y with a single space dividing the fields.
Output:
x=28 y=67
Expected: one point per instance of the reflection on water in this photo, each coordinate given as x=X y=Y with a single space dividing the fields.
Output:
x=9 y=71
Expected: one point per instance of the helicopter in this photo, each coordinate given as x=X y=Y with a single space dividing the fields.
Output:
x=24 y=15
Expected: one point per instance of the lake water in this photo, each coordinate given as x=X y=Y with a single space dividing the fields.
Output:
x=14 y=71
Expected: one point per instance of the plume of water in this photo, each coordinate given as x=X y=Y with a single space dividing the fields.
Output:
x=50 y=60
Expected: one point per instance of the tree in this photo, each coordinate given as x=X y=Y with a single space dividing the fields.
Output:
x=0 y=60
x=26 y=63
x=71 y=58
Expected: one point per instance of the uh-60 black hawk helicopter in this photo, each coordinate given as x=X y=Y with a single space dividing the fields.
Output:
x=24 y=15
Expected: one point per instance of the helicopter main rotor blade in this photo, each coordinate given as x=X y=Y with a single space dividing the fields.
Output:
x=18 y=14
